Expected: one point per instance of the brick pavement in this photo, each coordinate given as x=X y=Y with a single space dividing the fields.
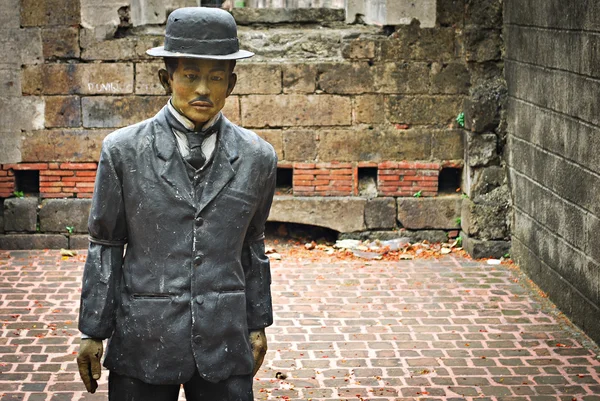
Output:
x=452 y=329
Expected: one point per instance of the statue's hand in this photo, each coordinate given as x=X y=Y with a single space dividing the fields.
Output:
x=258 y=341
x=88 y=361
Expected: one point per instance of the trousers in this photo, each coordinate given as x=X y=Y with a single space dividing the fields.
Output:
x=235 y=388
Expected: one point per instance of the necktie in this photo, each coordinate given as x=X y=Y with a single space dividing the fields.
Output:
x=195 y=139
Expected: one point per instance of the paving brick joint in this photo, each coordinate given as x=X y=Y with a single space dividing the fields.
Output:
x=449 y=329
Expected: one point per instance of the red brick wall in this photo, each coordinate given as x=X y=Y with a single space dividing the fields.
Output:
x=57 y=180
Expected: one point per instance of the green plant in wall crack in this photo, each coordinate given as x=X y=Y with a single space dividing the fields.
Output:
x=19 y=194
x=418 y=194
x=464 y=196
x=460 y=119
x=458 y=220
x=70 y=230
x=458 y=242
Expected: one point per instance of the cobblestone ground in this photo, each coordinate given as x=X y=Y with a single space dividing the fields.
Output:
x=449 y=329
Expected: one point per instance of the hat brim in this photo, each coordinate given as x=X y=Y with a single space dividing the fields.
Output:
x=161 y=52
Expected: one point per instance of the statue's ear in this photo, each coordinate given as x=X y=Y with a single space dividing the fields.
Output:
x=232 y=82
x=165 y=80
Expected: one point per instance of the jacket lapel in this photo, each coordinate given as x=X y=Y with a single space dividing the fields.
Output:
x=170 y=165
x=222 y=169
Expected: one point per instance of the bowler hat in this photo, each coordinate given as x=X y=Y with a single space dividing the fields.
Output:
x=201 y=32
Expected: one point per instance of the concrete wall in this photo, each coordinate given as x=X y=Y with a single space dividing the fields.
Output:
x=553 y=74
x=335 y=100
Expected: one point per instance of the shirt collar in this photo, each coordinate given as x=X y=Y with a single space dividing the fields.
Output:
x=189 y=124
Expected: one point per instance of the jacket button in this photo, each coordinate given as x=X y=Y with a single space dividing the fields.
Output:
x=197 y=339
x=200 y=299
x=198 y=260
x=199 y=222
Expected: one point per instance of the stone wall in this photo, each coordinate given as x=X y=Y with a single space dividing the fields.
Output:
x=553 y=74
x=357 y=112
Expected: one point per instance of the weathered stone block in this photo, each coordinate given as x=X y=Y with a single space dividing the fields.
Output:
x=50 y=12
x=487 y=219
x=423 y=110
x=20 y=214
x=60 y=42
x=395 y=12
x=33 y=241
x=79 y=242
x=31 y=78
x=231 y=110
x=21 y=113
x=23 y=45
x=274 y=137
x=447 y=144
x=62 y=111
x=373 y=145
x=482 y=109
x=10 y=14
x=481 y=45
x=62 y=144
x=485 y=14
x=369 y=109
x=10 y=80
x=295 y=110
x=299 y=145
x=479 y=248
x=57 y=214
x=453 y=78
x=481 y=149
x=451 y=13
x=257 y=78
x=380 y=213
x=359 y=48
x=404 y=78
x=146 y=79
x=299 y=78
x=119 y=111
x=345 y=78
x=340 y=214
x=123 y=49
x=248 y=16
x=87 y=79
x=10 y=147
x=486 y=180
x=423 y=213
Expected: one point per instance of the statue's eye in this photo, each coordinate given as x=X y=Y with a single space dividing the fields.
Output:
x=191 y=77
x=216 y=78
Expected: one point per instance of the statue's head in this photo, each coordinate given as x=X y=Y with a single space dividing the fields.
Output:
x=200 y=52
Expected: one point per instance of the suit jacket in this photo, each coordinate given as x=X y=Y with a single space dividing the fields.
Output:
x=194 y=279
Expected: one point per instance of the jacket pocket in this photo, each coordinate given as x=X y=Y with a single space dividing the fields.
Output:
x=150 y=296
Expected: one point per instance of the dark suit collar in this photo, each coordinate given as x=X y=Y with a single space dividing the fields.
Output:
x=221 y=170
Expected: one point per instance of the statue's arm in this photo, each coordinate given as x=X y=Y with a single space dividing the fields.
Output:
x=259 y=308
x=108 y=235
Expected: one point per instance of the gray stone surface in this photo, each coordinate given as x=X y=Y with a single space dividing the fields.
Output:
x=340 y=214
x=79 y=242
x=57 y=214
x=478 y=248
x=247 y=16
x=10 y=144
x=482 y=108
x=485 y=180
x=33 y=241
x=486 y=219
x=20 y=214
x=380 y=213
x=423 y=213
x=433 y=236
x=481 y=149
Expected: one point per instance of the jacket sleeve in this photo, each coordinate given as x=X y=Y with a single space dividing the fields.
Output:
x=256 y=264
x=108 y=235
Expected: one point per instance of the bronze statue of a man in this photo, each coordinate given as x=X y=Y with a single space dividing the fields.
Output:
x=188 y=192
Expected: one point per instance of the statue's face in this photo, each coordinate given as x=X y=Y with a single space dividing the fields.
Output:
x=199 y=87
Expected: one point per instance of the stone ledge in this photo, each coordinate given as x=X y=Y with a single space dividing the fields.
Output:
x=33 y=241
x=248 y=16
x=478 y=248
x=343 y=214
